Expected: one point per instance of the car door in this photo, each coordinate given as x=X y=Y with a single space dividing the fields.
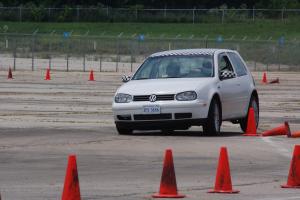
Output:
x=228 y=88
x=243 y=80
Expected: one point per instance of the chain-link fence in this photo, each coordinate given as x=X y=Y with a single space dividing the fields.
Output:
x=123 y=54
x=102 y=14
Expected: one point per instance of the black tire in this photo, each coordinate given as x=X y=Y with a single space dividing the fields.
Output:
x=214 y=119
x=244 y=121
x=122 y=130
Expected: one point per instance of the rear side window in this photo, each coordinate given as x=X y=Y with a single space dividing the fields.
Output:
x=240 y=68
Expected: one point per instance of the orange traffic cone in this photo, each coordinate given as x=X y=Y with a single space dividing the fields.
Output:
x=9 y=76
x=294 y=134
x=71 y=186
x=48 y=77
x=274 y=81
x=251 y=124
x=280 y=130
x=294 y=173
x=168 y=186
x=91 y=76
x=264 y=79
x=223 y=178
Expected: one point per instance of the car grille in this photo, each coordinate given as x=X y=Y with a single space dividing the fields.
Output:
x=160 y=97
x=153 y=116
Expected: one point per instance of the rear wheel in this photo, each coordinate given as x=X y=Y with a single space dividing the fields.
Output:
x=214 y=119
x=254 y=104
x=123 y=130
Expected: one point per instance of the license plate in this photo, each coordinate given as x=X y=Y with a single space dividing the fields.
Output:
x=155 y=109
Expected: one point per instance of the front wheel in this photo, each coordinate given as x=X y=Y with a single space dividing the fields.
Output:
x=214 y=119
x=244 y=121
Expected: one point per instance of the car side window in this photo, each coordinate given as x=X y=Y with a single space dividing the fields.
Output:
x=238 y=65
x=224 y=63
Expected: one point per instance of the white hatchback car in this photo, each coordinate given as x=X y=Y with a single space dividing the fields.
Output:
x=174 y=90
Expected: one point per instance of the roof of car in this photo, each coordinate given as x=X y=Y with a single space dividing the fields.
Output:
x=184 y=52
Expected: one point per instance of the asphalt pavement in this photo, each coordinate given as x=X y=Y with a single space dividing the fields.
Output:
x=42 y=122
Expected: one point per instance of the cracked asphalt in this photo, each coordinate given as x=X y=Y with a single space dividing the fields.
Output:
x=42 y=122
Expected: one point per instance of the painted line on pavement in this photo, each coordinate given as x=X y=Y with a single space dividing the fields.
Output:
x=281 y=198
x=283 y=151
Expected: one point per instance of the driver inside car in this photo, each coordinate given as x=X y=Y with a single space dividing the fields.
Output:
x=173 y=70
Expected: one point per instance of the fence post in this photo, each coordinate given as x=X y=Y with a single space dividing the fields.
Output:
x=68 y=51
x=253 y=14
x=50 y=49
x=15 y=53
x=118 y=51
x=282 y=14
x=32 y=51
x=67 y=62
x=83 y=62
x=100 y=63
x=193 y=15
x=136 y=14
x=279 y=67
x=77 y=13
x=49 y=14
x=131 y=56
x=20 y=13
x=206 y=42
x=223 y=15
x=49 y=62
x=117 y=56
x=165 y=12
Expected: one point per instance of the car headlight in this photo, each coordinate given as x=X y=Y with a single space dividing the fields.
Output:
x=123 y=98
x=186 y=96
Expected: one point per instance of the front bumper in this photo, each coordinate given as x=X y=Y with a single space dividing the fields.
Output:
x=173 y=114
x=183 y=124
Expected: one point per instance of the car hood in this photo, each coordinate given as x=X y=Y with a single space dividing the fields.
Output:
x=163 y=86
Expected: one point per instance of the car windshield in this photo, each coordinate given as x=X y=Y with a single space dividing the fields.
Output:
x=176 y=67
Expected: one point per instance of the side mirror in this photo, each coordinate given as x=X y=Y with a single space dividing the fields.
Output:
x=226 y=74
x=125 y=78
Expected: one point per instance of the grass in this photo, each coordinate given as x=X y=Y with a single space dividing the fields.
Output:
x=264 y=30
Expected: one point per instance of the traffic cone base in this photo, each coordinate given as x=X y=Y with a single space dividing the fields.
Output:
x=223 y=178
x=168 y=196
x=168 y=186
x=280 y=130
x=251 y=124
x=293 y=180
x=251 y=134
x=288 y=186
x=224 y=191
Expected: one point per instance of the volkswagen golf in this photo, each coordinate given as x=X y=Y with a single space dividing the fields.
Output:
x=177 y=89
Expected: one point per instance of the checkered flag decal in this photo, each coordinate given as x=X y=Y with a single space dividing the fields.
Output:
x=228 y=74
